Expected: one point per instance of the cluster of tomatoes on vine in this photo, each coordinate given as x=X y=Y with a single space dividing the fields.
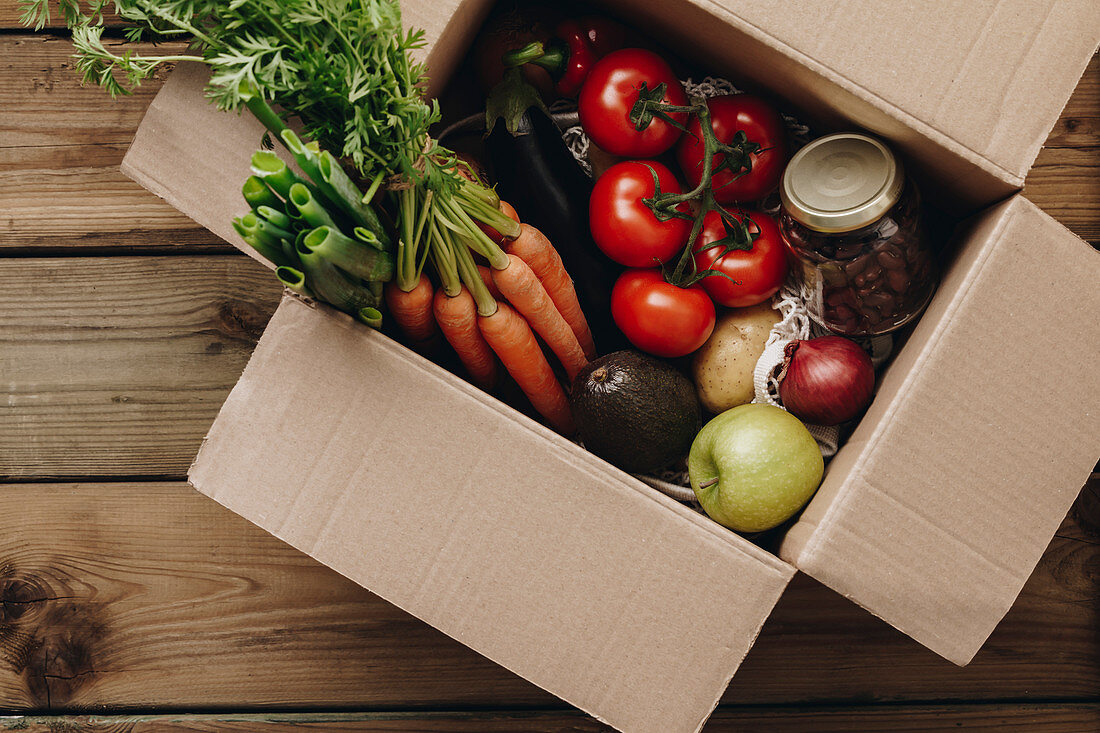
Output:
x=685 y=250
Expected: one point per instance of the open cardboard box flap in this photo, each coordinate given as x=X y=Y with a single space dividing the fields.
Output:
x=486 y=525
x=935 y=512
x=579 y=578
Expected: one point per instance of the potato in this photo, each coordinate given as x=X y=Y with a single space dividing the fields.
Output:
x=723 y=367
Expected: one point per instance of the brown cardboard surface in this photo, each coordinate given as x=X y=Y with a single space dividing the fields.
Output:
x=195 y=157
x=449 y=26
x=990 y=76
x=983 y=430
x=485 y=524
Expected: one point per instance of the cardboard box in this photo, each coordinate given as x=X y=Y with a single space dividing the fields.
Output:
x=584 y=580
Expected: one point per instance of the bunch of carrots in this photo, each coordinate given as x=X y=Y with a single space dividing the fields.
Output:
x=498 y=288
x=493 y=311
x=344 y=69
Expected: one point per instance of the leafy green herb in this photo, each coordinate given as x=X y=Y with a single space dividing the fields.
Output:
x=343 y=67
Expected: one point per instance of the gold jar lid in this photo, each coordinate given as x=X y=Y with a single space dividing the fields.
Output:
x=841 y=182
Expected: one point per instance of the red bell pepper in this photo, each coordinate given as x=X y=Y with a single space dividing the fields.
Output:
x=575 y=48
x=586 y=41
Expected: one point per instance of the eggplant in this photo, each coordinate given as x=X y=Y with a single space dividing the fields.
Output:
x=536 y=173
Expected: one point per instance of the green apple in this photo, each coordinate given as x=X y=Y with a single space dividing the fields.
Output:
x=754 y=466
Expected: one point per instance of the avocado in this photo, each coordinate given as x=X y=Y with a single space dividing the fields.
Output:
x=634 y=411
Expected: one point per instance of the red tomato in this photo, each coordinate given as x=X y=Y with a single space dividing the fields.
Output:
x=609 y=94
x=623 y=227
x=762 y=125
x=659 y=317
x=754 y=275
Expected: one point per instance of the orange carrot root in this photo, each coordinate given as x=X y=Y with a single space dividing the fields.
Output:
x=510 y=211
x=412 y=310
x=457 y=319
x=519 y=285
x=513 y=341
x=535 y=249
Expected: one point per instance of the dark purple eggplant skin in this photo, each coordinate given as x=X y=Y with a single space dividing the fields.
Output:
x=536 y=173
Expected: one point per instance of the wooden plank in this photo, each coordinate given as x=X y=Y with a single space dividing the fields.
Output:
x=1079 y=124
x=1051 y=718
x=12 y=10
x=45 y=103
x=150 y=596
x=117 y=366
x=1065 y=183
x=60 y=148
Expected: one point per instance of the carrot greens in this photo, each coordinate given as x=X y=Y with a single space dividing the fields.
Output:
x=344 y=69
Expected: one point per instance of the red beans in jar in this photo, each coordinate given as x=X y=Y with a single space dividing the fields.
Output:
x=852 y=220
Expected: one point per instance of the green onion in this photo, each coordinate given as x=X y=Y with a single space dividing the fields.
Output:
x=290 y=249
x=334 y=185
x=264 y=229
x=274 y=216
x=296 y=216
x=274 y=171
x=350 y=198
x=374 y=186
x=332 y=285
x=271 y=253
x=307 y=160
x=313 y=213
x=370 y=316
x=366 y=236
x=293 y=279
x=350 y=255
x=258 y=106
x=257 y=194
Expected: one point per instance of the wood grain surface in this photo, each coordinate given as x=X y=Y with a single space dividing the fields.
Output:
x=116 y=366
x=60 y=148
x=995 y=718
x=122 y=328
x=148 y=595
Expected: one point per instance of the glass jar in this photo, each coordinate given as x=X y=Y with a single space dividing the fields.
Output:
x=853 y=221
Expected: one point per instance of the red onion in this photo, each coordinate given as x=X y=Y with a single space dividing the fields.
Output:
x=826 y=380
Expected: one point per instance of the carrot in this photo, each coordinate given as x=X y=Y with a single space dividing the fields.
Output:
x=513 y=341
x=510 y=210
x=412 y=310
x=493 y=233
x=518 y=284
x=535 y=249
x=487 y=278
x=457 y=319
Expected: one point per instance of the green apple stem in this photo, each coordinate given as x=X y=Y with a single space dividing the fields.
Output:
x=708 y=484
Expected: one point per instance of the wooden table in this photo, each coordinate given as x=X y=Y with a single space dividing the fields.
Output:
x=130 y=602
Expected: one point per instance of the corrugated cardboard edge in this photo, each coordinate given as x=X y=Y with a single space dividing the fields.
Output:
x=780 y=571
x=802 y=544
